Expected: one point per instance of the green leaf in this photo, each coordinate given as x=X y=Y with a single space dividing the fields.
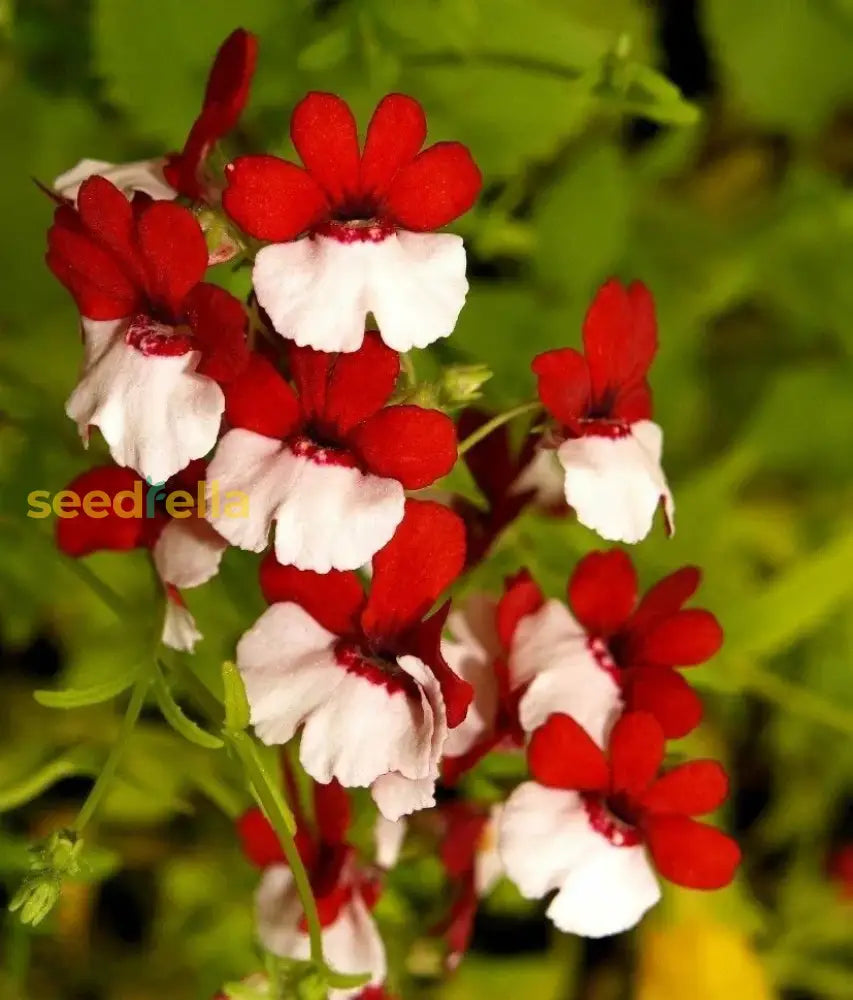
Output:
x=174 y=715
x=237 y=712
x=94 y=695
x=30 y=787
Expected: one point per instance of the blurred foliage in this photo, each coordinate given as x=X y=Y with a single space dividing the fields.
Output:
x=736 y=210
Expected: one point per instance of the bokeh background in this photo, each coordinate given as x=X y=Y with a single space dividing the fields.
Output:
x=727 y=191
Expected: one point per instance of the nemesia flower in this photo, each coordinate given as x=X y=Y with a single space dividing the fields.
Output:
x=599 y=829
x=350 y=232
x=186 y=550
x=158 y=339
x=470 y=857
x=183 y=173
x=608 y=445
x=344 y=891
x=328 y=461
x=363 y=676
x=628 y=649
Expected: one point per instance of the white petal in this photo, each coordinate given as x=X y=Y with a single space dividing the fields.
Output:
x=541 y=836
x=397 y=796
x=140 y=175
x=288 y=666
x=543 y=477
x=328 y=516
x=318 y=291
x=577 y=687
x=188 y=552
x=179 y=628
x=488 y=866
x=606 y=893
x=542 y=637
x=471 y=655
x=155 y=413
x=616 y=484
x=279 y=913
x=388 y=837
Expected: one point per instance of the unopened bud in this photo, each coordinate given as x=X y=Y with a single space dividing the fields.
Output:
x=461 y=384
x=35 y=900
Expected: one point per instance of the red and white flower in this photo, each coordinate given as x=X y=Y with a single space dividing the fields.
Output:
x=327 y=461
x=599 y=829
x=344 y=891
x=607 y=443
x=158 y=339
x=620 y=652
x=350 y=232
x=186 y=550
x=164 y=178
x=363 y=677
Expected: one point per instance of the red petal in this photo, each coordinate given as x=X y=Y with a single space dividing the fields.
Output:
x=310 y=370
x=603 y=591
x=636 y=752
x=259 y=841
x=561 y=754
x=634 y=404
x=522 y=597
x=98 y=283
x=332 y=812
x=174 y=251
x=465 y=826
x=272 y=199
x=666 y=695
x=396 y=132
x=83 y=533
x=218 y=322
x=619 y=336
x=407 y=443
x=666 y=596
x=563 y=383
x=692 y=854
x=325 y=135
x=359 y=383
x=693 y=789
x=333 y=599
x=424 y=641
x=423 y=558
x=438 y=186
x=259 y=400
x=683 y=639
x=107 y=215
x=231 y=76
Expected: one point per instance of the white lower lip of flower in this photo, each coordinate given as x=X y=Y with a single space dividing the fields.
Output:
x=615 y=484
x=318 y=290
x=351 y=943
x=140 y=175
x=328 y=516
x=179 y=628
x=543 y=477
x=155 y=412
x=188 y=552
x=547 y=843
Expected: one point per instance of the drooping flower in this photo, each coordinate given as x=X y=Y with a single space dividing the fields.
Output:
x=183 y=173
x=608 y=445
x=623 y=650
x=363 y=676
x=158 y=339
x=345 y=891
x=118 y=512
x=365 y=220
x=469 y=855
x=328 y=461
x=599 y=829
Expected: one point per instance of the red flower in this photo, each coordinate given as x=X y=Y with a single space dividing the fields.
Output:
x=641 y=643
x=224 y=99
x=628 y=801
x=389 y=183
x=146 y=261
x=605 y=388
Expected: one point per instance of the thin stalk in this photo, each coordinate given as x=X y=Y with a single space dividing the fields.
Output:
x=492 y=425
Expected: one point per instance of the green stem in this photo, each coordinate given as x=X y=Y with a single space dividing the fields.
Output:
x=131 y=715
x=502 y=418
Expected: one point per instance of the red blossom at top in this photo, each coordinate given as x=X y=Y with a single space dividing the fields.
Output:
x=629 y=802
x=605 y=388
x=329 y=859
x=641 y=642
x=337 y=414
x=388 y=184
x=146 y=260
x=423 y=558
x=224 y=99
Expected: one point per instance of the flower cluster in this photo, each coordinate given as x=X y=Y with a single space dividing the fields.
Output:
x=296 y=399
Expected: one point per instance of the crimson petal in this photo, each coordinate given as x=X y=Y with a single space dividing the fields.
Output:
x=325 y=135
x=259 y=400
x=104 y=529
x=666 y=695
x=684 y=639
x=603 y=591
x=272 y=199
x=333 y=599
x=692 y=854
x=174 y=252
x=692 y=789
x=359 y=383
x=563 y=383
x=561 y=754
x=407 y=443
x=218 y=322
x=636 y=752
x=438 y=186
x=396 y=132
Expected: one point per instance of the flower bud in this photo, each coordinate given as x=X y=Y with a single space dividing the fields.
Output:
x=461 y=384
x=35 y=899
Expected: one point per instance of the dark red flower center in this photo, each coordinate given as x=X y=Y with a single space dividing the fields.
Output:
x=380 y=667
x=614 y=817
x=155 y=338
x=322 y=450
x=356 y=230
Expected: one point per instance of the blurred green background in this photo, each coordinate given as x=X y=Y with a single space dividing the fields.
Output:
x=729 y=195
